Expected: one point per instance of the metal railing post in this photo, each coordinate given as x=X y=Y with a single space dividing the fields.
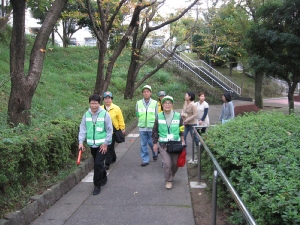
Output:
x=193 y=147
x=214 y=197
x=199 y=162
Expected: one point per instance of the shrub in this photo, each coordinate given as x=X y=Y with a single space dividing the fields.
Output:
x=260 y=155
x=28 y=152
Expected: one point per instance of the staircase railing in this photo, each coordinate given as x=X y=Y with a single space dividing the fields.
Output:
x=215 y=73
x=181 y=64
x=176 y=60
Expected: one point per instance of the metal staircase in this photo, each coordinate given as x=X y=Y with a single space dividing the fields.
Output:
x=202 y=71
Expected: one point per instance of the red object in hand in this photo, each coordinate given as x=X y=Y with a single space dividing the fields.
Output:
x=79 y=156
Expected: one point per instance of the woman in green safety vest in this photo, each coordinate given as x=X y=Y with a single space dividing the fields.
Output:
x=168 y=126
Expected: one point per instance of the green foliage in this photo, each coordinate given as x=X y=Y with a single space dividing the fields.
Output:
x=27 y=152
x=260 y=155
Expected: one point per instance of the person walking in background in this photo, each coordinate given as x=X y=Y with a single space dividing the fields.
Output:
x=227 y=112
x=96 y=128
x=161 y=95
x=202 y=111
x=189 y=116
x=167 y=128
x=146 y=111
x=117 y=122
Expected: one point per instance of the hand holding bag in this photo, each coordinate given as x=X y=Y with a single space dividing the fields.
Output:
x=175 y=146
x=181 y=158
x=119 y=136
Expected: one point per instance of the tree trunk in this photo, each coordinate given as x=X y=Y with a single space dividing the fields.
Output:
x=53 y=38
x=259 y=76
x=101 y=68
x=230 y=69
x=292 y=87
x=23 y=87
x=291 y=99
x=18 y=105
x=131 y=75
x=65 y=41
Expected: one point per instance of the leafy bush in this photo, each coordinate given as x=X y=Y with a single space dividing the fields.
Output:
x=260 y=155
x=28 y=152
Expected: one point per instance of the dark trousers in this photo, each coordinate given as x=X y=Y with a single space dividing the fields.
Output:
x=111 y=153
x=99 y=169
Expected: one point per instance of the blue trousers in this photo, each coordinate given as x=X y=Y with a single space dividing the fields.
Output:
x=146 y=139
x=190 y=128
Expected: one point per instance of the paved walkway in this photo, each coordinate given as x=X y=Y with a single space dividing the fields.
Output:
x=134 y=195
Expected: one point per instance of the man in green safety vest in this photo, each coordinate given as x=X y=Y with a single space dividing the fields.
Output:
x=146 y=111
x=96 y=128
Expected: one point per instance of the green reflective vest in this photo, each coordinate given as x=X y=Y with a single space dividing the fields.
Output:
x=146 y=116
x=95 y=133
x=164 y=130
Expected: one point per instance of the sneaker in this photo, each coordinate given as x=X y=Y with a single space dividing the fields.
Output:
x=97 y=190
x=168 y=185
x=144 y=164
x=155 y=157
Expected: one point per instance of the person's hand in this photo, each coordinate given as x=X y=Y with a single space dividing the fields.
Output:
x=155 y=147
x=200 y=122
x=81 y=146
x=123 y=131
x=103 y=148
x=183 y=142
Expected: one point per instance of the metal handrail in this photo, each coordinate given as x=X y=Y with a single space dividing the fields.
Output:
x=183 y=65
x=219 y=172
x=217 y=74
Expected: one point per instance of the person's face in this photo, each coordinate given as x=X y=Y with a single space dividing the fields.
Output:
x=107 y=100
x=167 y=105
x=223 y=98
x=202 y=98
x=161 y=97
x=94 y=105
x=187 y=97
x=146 y=94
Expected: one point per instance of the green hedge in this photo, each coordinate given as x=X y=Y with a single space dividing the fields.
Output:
x=27 y=152
x=261 y=156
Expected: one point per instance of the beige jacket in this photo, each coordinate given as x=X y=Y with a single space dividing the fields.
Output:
x=189 y=113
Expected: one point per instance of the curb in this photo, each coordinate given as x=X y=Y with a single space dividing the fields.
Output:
x=40 y=203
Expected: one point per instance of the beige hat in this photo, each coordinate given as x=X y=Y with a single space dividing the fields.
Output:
x=147 y=87
x=168 y=97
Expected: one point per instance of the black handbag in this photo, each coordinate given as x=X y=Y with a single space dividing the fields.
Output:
x=119 y=136
x=175 y=146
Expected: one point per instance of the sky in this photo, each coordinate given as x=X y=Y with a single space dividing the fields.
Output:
x=172 y=6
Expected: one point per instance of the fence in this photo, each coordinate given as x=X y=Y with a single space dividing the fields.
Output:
x=218 y=172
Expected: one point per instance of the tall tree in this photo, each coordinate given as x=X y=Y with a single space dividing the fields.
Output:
x=250 y=7
x=23 y=86
x=142 y=30
x=104 y=21
x=276 y=42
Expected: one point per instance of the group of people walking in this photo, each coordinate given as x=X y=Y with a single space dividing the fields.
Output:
x=158 y=124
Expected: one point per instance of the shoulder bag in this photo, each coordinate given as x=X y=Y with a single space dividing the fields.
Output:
x=175 y=146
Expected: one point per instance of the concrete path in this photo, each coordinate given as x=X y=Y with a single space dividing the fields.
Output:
x=132 y=195
x=135 y=195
